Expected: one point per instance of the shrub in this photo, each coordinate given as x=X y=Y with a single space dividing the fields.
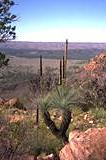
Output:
x=93 y=93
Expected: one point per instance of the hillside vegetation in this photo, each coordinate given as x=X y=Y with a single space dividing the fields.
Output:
x=26 y=131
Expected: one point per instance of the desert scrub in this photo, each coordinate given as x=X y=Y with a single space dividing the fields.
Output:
x=100 y=115
x=93 y=118
x=93 y=92
x=24 y=133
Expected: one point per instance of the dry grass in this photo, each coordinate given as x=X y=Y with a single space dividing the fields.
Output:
x=34 y=62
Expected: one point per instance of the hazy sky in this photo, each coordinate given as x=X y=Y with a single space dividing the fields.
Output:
x=56 y=20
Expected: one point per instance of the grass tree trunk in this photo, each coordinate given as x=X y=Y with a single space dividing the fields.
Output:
x=66 y=119
x=49 y=123
x=60 y=133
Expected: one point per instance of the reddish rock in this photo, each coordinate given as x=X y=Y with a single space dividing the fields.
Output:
x=14 y=102
x=16 y=118
x=49 y=157
x=87 y=145
x=66 y=153
x=96 y=63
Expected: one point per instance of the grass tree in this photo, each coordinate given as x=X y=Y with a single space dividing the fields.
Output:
x=60 y=98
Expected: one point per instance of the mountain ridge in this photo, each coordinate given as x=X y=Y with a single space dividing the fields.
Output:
x=51 y=45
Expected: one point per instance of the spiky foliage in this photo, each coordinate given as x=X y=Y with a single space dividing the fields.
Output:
x=59 y=98
x=44 y=102
x=62 y=97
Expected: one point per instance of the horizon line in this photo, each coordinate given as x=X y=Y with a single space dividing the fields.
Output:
x=53 y=41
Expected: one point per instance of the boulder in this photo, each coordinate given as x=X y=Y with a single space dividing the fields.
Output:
x=48 y=157
x=88 y=145
x=14 y=102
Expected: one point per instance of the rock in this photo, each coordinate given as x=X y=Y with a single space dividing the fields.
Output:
x=66 y=153
x=16 y=118
x=49 y=157
x=14 y=102
x=11 y=102
x=97 y=63
x=26 y=157
x=87 y=145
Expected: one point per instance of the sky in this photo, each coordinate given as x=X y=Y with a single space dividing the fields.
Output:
x=57 y=20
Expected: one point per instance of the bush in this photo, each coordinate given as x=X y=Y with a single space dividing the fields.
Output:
x=45 y=83
x=3 y=60
x=93 y=93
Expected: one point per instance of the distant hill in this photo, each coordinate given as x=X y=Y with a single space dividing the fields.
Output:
x=52 y=50
x=51 y=45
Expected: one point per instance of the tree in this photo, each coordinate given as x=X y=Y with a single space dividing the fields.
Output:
x=7 y=31
x=3 y=60
x=61 y=98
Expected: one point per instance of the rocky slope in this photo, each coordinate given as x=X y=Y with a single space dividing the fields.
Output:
x=95 y=68
x=88 y=145
x=97 y=64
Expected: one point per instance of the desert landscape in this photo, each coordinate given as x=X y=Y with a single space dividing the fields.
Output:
x=52 y=80
x=20 y=88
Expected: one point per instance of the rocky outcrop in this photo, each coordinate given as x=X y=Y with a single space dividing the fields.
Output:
x=49 y=157
x=97 y=64
x=96 y=67
x=32 y=157
x=88 y=145
x=13 y=102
